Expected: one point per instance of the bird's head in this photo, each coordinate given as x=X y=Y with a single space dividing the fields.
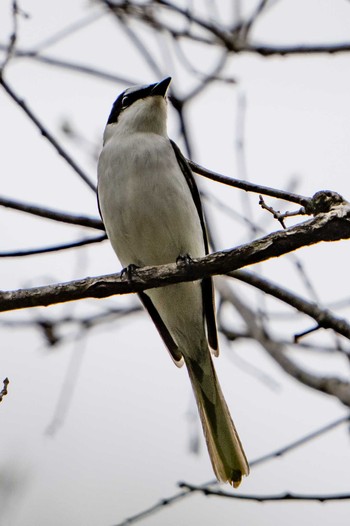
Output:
x=140 y=109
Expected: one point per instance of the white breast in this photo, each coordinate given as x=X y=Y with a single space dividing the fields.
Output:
x=145 y=201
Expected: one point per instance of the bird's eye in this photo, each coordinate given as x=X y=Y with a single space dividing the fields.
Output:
x=125 y=101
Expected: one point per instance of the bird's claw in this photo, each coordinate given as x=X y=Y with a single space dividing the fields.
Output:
x=184 y=260
x=128 y=272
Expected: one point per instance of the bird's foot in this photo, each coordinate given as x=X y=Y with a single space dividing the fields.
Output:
x=128 y=272
x=184 y=260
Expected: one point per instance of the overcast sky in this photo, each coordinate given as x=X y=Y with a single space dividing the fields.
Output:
x=124 y=439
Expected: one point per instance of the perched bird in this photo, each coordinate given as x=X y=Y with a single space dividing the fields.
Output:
x=150 y=205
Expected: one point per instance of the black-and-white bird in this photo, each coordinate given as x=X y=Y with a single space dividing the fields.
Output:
x=152 y=212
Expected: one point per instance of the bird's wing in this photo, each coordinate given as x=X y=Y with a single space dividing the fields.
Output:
x=157 y=320
x=207 y=283
x=162 y=329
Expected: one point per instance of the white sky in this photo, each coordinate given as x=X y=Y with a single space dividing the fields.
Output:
x=124 y=442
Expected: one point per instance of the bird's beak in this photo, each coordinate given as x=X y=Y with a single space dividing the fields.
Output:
x=160 y=88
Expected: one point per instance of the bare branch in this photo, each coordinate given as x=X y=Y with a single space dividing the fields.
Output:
x=307 y=49
x=249 y=187
x=247 y=26
x=45 y=133
x=55 y=215
x=233 y=335
x=147 y=13
x=3 y=391
x=216 y=35
x=52 y=329
x=10 y=48
x=55 y=248
x=265 y=498
x=68 y=31
x=323 y=317
x=330 y=385
x=273 y=454
x=138 y=43
x=156 y=507
x=13 y=37
x=280 y=216
x=330 y=226
x=71 y=66
x=305 y=439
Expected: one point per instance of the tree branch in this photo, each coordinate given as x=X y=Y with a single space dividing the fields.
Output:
x=55 y=215
x=54 y=248
x=250 y=187
x=265 y=498
x=331 y=226
x=3 y=391
x=330 y=385
x=45 y=133
x=233 y=40
x=260 y=460
x=303 y=49
x=70 y=66
x=323 y=317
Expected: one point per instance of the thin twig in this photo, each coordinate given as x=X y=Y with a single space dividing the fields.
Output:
x=280 y=216
x=234 y=335
x=323 y=317
x=301 y=441
x=11 y=47
x=68 y=31
x=247 y=26
x=55 y=215
x=55 y=248
x=303 y=49
x=328 y=384
x=216 y=35
x=156 y=507
x=260 y=460
x=45 y=133
x=265 y=498
x=3 y=391
x=250 y=187
x=139 y=44
x=71 y=66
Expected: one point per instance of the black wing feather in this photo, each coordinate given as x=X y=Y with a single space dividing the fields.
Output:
x=207 y=283
x=162 y=328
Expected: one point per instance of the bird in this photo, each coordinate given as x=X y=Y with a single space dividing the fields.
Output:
x=151 y=208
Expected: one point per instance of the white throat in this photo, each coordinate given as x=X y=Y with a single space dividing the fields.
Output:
x=143 y=116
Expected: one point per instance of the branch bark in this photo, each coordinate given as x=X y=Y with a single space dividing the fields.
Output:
x=330 y=226
x=330 y=385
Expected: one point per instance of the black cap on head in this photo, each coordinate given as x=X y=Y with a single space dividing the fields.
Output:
x=130 y=95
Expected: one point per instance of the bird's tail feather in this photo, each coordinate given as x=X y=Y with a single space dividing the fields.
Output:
x=224 y=446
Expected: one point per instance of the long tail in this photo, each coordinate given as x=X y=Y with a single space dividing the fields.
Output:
x=224 y=446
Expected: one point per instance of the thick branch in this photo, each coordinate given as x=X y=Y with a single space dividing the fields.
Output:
x=331 y=226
